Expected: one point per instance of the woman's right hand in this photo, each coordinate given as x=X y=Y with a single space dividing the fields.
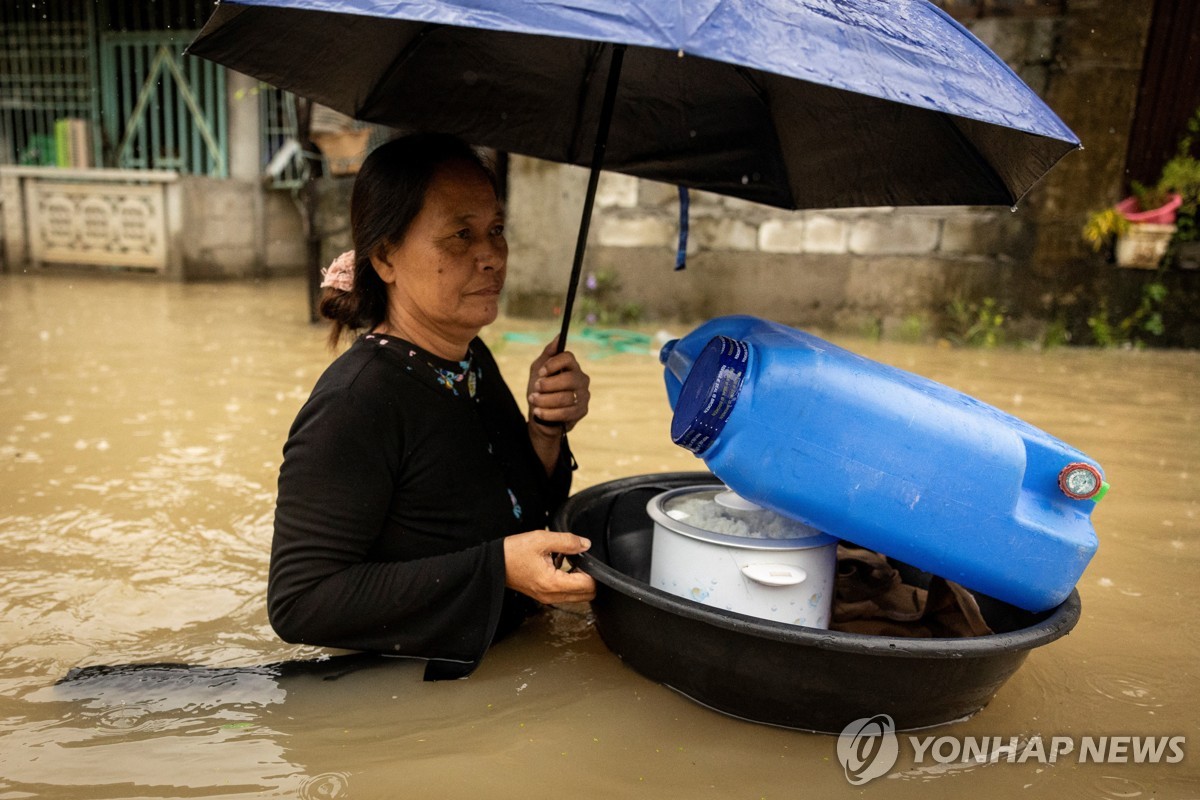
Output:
x=529 y=567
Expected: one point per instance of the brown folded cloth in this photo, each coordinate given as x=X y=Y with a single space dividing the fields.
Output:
x=870 y=598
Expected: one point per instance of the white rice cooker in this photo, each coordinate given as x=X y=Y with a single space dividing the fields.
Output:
x=713 y=546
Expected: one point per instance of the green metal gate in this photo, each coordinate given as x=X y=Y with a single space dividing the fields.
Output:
x=161 y=109
x=88 y=83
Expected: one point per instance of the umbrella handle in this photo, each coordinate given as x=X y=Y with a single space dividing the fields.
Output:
x=606 y=111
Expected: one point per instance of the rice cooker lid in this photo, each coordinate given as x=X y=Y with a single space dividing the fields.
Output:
x=718 y=514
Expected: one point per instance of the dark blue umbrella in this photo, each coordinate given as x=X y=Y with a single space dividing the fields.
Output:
x=790 y=103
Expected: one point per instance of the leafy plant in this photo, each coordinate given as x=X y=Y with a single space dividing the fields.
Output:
x=1103 y=226
x=976 y=324
x=631 y=312
x=1149 y=197
x=1101 y=328
x=912 y=328
x=1144 y=321
x=599 y=302
x=1056 y=334
x=1182 y=175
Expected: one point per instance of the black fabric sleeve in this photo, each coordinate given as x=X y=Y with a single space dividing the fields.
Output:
x=335 y=487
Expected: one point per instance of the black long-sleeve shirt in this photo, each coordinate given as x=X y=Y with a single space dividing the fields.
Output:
x=401 y=476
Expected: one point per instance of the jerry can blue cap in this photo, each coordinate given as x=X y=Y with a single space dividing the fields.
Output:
x=666 y=351
x=710 y=393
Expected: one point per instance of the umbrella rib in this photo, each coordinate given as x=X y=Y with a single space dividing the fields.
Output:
x=981 y=162
x=581 y=103
x=764 y=100
x=406 y=52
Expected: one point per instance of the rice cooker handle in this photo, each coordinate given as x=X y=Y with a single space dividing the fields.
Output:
x=774 y=574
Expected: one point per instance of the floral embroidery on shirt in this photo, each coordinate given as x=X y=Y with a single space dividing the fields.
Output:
x=516 y=505
x=453 y=379
x=466 y=375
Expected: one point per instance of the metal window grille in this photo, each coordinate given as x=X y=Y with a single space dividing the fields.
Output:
x=283 y=162
x=48 y=108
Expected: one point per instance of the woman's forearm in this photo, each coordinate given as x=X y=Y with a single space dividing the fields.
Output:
x=547 y=443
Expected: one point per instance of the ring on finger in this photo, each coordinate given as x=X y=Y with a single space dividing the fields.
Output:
x=574 y=398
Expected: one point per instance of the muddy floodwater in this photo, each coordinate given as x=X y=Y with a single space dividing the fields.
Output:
x=141 y=425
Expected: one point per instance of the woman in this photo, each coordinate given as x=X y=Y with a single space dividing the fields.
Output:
x=413 y=493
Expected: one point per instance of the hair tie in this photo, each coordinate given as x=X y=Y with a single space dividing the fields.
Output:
x=340 y=273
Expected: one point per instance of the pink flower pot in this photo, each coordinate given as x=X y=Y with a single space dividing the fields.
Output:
x=1163 y=215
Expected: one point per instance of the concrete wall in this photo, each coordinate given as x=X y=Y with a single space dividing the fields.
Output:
x=284 y=249
x=236 y=229
x=11 y=229
x=1093 y=86
x=219 y=237
x=214 y=228
x=841 y=268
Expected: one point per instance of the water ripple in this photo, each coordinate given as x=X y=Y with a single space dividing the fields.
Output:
x=1112 y=787
x=1125 y=687
x=326 y=786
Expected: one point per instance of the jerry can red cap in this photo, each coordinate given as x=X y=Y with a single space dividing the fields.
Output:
x=1081 y=481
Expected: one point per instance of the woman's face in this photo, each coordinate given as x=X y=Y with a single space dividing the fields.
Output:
x=447 y=273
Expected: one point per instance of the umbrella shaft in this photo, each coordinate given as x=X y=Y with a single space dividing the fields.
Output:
x=606 y=110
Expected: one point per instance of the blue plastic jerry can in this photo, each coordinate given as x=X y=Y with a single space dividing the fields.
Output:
x=885 y=458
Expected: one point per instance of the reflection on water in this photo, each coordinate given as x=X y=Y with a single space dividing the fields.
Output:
x=140 y=433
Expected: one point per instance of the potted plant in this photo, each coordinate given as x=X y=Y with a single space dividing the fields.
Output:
x=1182 y=175
x=1151 y=215
x=1142 y=226
x=1141 y=233
x=1159 y=219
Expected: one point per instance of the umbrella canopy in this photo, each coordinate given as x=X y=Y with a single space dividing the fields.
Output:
x=789 y=103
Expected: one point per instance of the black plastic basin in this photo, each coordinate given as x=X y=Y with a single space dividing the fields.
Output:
x=780 y=674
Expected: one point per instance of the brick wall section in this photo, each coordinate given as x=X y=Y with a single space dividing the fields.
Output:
x=846 y=268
